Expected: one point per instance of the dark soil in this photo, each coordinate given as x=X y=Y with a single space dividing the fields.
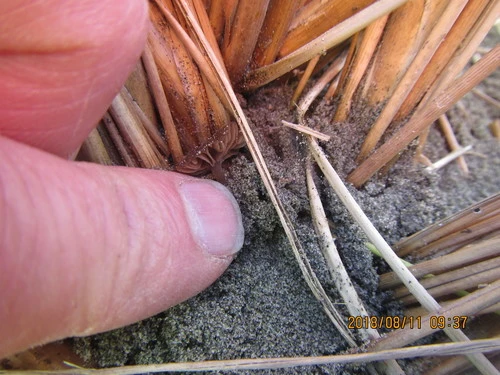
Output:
x=262 y=307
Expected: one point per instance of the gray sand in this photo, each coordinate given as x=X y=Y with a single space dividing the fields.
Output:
x=262 y=307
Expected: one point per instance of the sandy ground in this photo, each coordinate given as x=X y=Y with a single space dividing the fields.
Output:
x=262 y=307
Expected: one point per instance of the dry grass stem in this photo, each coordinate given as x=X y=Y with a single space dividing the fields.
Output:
x=446 y=349
x=470 y=281
x=462 y=257
x=316 y=18
x=402 y=38
x=151 y=129
x=304 y=79
x=486 y=98
x=139 y=89
x=123 y=149
x=320 y=84
x=339 y=274
x=457 y=154
x=450 y=243
x=240 y=42
x=123 y=112
x=362 y=56
x=457 y=365
x=319 y=45
x=94 y=149
x=452 y=140
x=411 y=76
x=452 y=44
x=417 y=311
x=167 y=120
x=419 y=151
x=453 y=224
x=426 y=116
x=280 y=14
x=306 y=130
x=467 y=47
x=454 y=275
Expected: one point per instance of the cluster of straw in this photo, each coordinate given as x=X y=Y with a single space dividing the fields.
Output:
x=462 y=274
x=405 y=63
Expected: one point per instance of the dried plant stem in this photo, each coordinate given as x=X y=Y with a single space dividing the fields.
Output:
x=320 y=84
x=454 y=155
x=279 y=15
x=224 y=87
x=466 y=306
x=460 y=31
x=339 y=274
x=467 y=255
x=306 y=130
x=427 y=115
x=123 y=112
x=417 y=290
x=151 y=129
x=417 y=311
x=453 y=224
x=363 y=55
x=173 y=141
x=403 y=35
x=114 y=134
x=470 y=281
x=240 y=42
x=456 y=365
x=332 y=37
x=486 y=98
x=446 y=349
x=411 y=76
x=303 y=80
x=452 y=140
x=450 y=243
x=94 y=149
x=468 y=46
x=317 y=17
x=419 y=151
x=451 y=276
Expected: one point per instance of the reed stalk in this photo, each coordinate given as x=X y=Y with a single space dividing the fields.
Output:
x=423 y=118
x=460 y=258
x=446 y=349
x=94 y=149
x=447 y=130
x=363 y=54
x=319 y=45
x=411 y=75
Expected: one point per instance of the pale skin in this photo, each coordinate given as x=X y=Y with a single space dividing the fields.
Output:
x=86 y=248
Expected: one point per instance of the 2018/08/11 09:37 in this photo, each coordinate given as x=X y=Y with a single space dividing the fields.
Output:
x=401 y=322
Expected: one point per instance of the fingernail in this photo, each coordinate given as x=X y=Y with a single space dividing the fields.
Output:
x=214 y=217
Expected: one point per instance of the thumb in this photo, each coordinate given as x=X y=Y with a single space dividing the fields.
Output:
x=86 y=248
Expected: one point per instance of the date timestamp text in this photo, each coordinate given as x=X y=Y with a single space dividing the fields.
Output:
x=401 y=322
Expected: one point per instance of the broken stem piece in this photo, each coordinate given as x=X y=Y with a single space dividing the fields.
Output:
x=449 y=158
x=306 y=130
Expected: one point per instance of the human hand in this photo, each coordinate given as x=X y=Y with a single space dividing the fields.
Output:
x=86 y=248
